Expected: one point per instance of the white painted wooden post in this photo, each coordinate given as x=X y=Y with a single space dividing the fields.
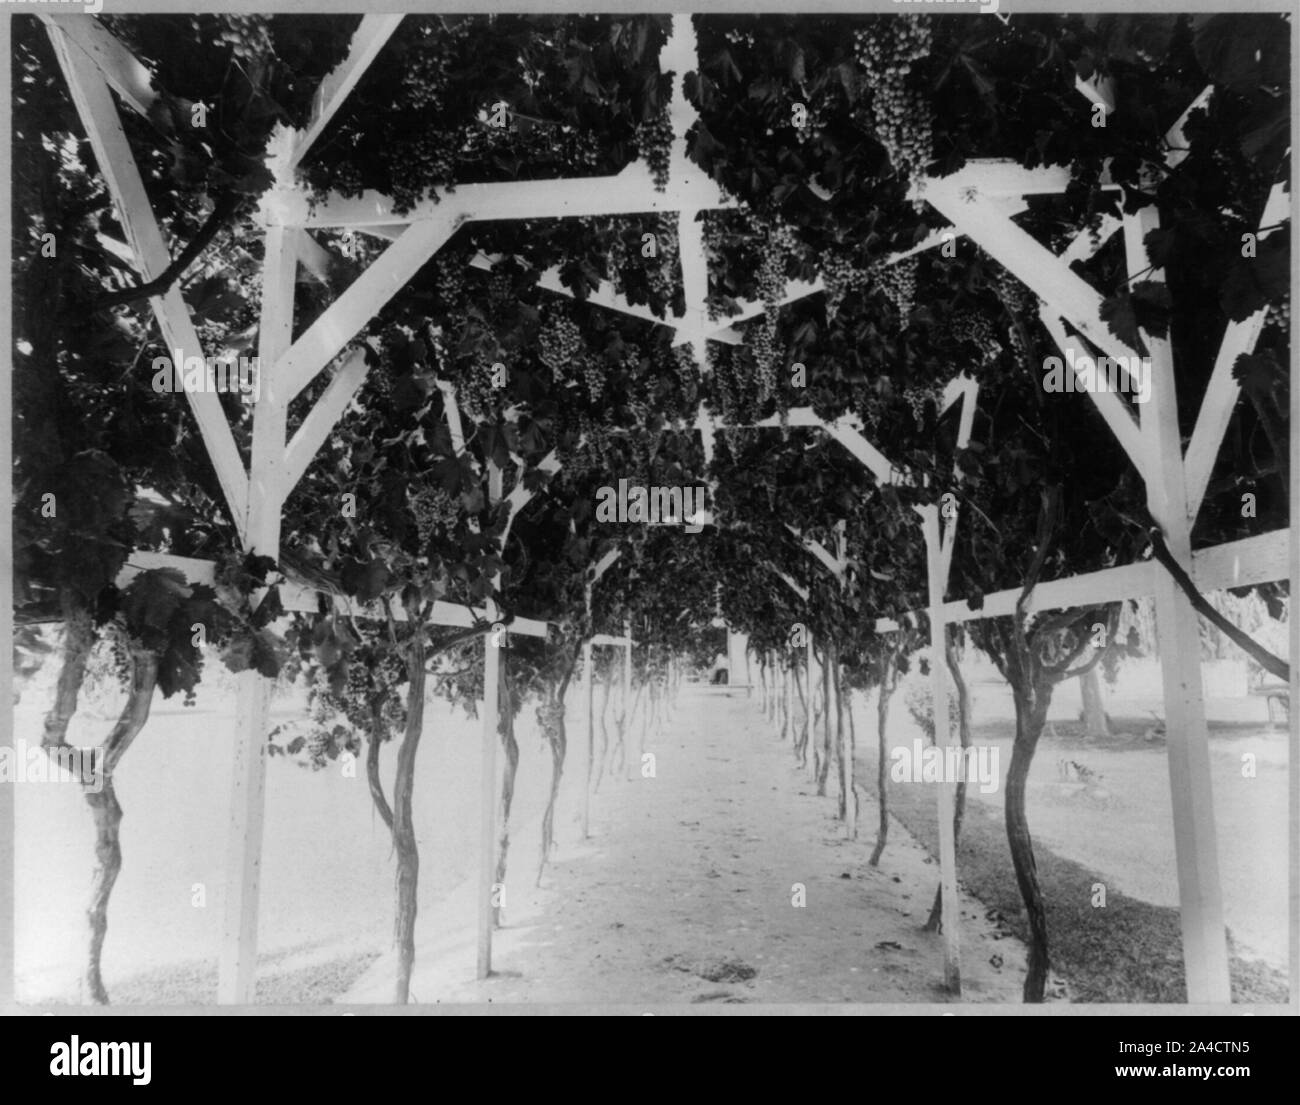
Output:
x=1293 y=562
x=943 y=739
x=1205 y=949
x=237 y=965
x=588 y=657
x=808 y=706
x=488 y=795
x=850 y=803
x=627 y=683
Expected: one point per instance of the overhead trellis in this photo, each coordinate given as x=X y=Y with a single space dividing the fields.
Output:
x=978 y=200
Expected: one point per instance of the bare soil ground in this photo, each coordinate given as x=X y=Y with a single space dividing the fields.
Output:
x=684 y=894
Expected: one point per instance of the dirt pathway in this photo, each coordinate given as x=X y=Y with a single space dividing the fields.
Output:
x=688 y=891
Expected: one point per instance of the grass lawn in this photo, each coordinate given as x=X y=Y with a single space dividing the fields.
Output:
x=1126 y=951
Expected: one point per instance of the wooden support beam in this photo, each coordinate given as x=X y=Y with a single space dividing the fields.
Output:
x=316 y=260
x=125 y=73
x=1109 y=405
x=488 y=800
x=590 y=696
x=604 y=564
x=997 y=178
x=628 y=192
x=520 y=496
x=324 y=416
x=959 y=199
x=367 y=41
x=298 y=598
x=236 y=975
x=1205 y=949
x=1252 y=560
x=349 y=314
x=943 y=738
x=798 y=589
x=103 y=127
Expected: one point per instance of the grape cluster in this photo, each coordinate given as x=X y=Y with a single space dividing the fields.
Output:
x=840 y=276
x=474 y=391
x=662 y=277
x=434 y=511
x=813 y=124
x=688 y=373
x=781 y=244
x=654 y=140
x=449 y=279
x=916 y=398
x=616 y=257
x=1279 y=315
x=898 y=283
x=593 y=372
x=899 y=114
x=120 y=662
x=974 y=328
x=1011 y=292
x=559 y=343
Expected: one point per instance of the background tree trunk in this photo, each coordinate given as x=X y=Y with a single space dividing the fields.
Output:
x=1095 y=721
x=408 y=854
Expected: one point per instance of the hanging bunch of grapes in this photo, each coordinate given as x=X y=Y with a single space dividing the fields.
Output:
x=898 y=111
x=840 y=276
x=781 y=245
x=1279 y=316
x=916 y=398
x=449 y=279
x=616 y=256
x=898 y=284
x=593 y=372
x=559 y=343
x=688 y=375
x=663 y=276
x=974 y=329
x=654 y=142
x=434 y=510
x=474 y=391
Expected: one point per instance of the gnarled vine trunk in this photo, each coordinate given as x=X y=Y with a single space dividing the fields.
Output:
x=824 y=764
x=604 y=733
x=408 y=854
x=801 y=742
x=887 y=684
x=106 y=812
x=372 y=764
x=1031 y=715
x=935 y=922
x=78 y=640
x=553 y=726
